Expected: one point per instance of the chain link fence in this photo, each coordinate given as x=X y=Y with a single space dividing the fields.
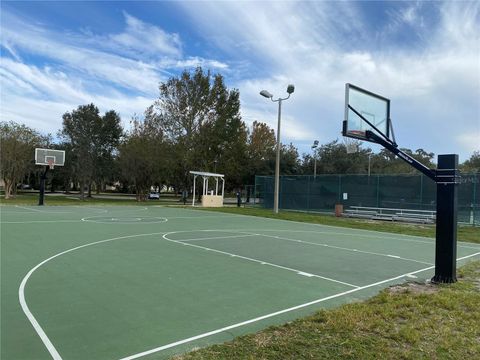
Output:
x=322 y=192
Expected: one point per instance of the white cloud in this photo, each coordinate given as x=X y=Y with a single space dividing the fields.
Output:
x=114 y=71
x=143 y=38
x=95 y=63
x=434 y=83
x=193 y=62
x=45 y=115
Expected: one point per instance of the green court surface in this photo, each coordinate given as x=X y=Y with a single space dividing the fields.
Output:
x=151 y=282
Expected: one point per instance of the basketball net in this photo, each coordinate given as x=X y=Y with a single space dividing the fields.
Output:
x=51 y=163
x=352 y=145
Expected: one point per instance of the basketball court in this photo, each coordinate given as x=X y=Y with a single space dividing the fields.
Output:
x=150 y=282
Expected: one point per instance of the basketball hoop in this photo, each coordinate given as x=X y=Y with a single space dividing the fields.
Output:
x=50 y=158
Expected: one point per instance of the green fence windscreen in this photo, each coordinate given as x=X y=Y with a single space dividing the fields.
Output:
x=322 y=192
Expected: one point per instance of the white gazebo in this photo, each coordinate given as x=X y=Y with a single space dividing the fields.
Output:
x=210 y=198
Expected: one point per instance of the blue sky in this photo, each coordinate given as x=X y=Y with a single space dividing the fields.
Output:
x=424 y=56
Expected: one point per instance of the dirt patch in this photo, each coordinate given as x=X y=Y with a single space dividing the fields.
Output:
x=414 y=288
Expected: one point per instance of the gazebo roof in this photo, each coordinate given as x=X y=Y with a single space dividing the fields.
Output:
x=203 y=173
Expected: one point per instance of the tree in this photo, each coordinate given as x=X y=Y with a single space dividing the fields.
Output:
x=289 y=162
x=261 y=150
x=17 y=153
x=332 y=158
x=106 y=143
x=472 y=165
x=93 y=139
x=386 y=162
x=201 y=120
x=142 y=156
x=65 y=175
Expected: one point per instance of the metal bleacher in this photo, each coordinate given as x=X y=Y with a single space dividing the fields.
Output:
x=390 y=214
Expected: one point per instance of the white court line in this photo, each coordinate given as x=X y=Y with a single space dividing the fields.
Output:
x=131 y=208
x=26 y=208
x=103 y=220
x=21 y=291
x=400 y=237
x=312 y=243
x=346 y=249
x=39 y=221
x=369 y=236
x=101 y=210
x=42 y=211
x=197 y=217
x=218 y=237
x=230 y=327
x=250 y=259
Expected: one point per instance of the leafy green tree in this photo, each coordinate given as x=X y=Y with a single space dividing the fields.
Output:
x=201 y=120
x=332 y=158
x=386 y=162
x=260 y=151
x=141 y=157
x=472 y=165
x=93 y=139
x=289 y=161
x=64 y=176
x=105 y=145
x=17 y=153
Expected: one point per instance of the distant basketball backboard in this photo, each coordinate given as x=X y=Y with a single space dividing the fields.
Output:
x=364 y=111
x=49 y=157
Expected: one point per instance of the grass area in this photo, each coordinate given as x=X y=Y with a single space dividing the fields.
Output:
x=411 y=321
x=464 y=233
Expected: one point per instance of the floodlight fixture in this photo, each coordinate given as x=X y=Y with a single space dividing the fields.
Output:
x=266 y=94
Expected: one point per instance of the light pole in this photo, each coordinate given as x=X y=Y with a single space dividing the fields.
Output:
x=265 y=93
x=314 y=148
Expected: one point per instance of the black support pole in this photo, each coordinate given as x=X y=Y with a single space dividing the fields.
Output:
x=446 y=228
x=42 y=186
x=446 y=177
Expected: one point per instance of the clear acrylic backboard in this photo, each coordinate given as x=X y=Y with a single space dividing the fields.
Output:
x=49 y=157
x=372 y=107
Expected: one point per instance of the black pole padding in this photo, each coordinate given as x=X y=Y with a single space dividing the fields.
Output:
x=446 y=222
x=42 y=186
